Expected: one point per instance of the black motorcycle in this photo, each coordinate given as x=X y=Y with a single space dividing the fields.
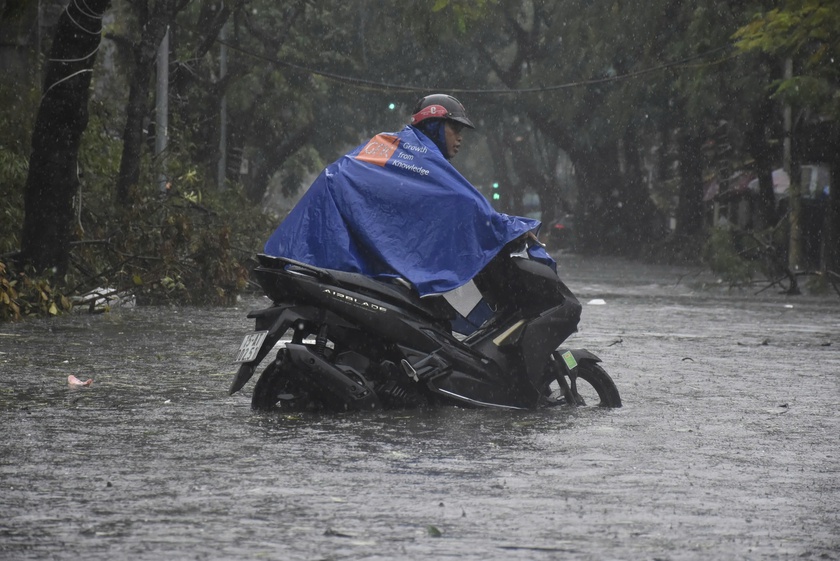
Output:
x=346 y=341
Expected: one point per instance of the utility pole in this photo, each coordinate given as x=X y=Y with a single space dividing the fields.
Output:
x=162 y=110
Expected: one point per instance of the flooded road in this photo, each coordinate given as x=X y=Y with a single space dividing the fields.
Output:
x=727 y=447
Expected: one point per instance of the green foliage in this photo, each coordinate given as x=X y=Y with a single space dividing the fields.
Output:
x=23 y=295
x=460 y=14
x=12 y=178
x=99 y=155
x=17 y=114
x=724 y=255
x=800 y=25
x=193 y=245
x=805 y=30
x=186 y=247
x=741 y=256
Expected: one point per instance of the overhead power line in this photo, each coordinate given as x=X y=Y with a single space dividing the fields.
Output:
x=387 y=86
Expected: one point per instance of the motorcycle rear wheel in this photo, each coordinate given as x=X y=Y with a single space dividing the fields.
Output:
x=593 y=383
x=276 y=389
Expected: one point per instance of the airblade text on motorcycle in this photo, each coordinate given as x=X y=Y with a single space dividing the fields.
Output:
x=355 y=301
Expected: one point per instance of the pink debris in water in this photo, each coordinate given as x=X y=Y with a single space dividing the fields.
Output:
x=75 y=382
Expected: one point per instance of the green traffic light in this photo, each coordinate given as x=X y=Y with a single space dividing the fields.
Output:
x=496 y=196
x=495 y=185
x=392 y=106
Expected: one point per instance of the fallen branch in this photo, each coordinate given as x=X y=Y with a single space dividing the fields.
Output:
x=769 y=252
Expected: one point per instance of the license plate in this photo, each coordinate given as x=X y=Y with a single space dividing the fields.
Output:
x=250 y=346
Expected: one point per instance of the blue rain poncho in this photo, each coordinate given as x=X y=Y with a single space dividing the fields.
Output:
x=394 y=206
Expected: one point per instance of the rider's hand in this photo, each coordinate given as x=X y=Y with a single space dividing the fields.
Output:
x=533 y=237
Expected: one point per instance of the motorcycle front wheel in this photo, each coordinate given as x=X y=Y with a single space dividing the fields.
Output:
x=589 y=385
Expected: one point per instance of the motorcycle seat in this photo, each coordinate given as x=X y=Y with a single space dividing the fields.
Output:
x=397 y=291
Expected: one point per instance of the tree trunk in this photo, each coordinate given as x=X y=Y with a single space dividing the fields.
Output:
x=640 y=220
x=831 y=239
x=256 y=189
x=762 y=153
x=136 y=111
x=795 y=253
x=529 y=169
x=690 y=203
x=153 y=27
x=62 y=119
x=596 y=219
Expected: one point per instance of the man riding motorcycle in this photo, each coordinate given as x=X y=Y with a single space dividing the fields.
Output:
x=366 y=275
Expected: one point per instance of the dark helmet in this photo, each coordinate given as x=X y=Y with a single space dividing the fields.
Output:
x=440 y=106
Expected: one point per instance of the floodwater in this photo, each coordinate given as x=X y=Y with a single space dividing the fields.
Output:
x=727 y=447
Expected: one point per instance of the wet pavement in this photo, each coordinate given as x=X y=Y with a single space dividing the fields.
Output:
x=727 y=447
